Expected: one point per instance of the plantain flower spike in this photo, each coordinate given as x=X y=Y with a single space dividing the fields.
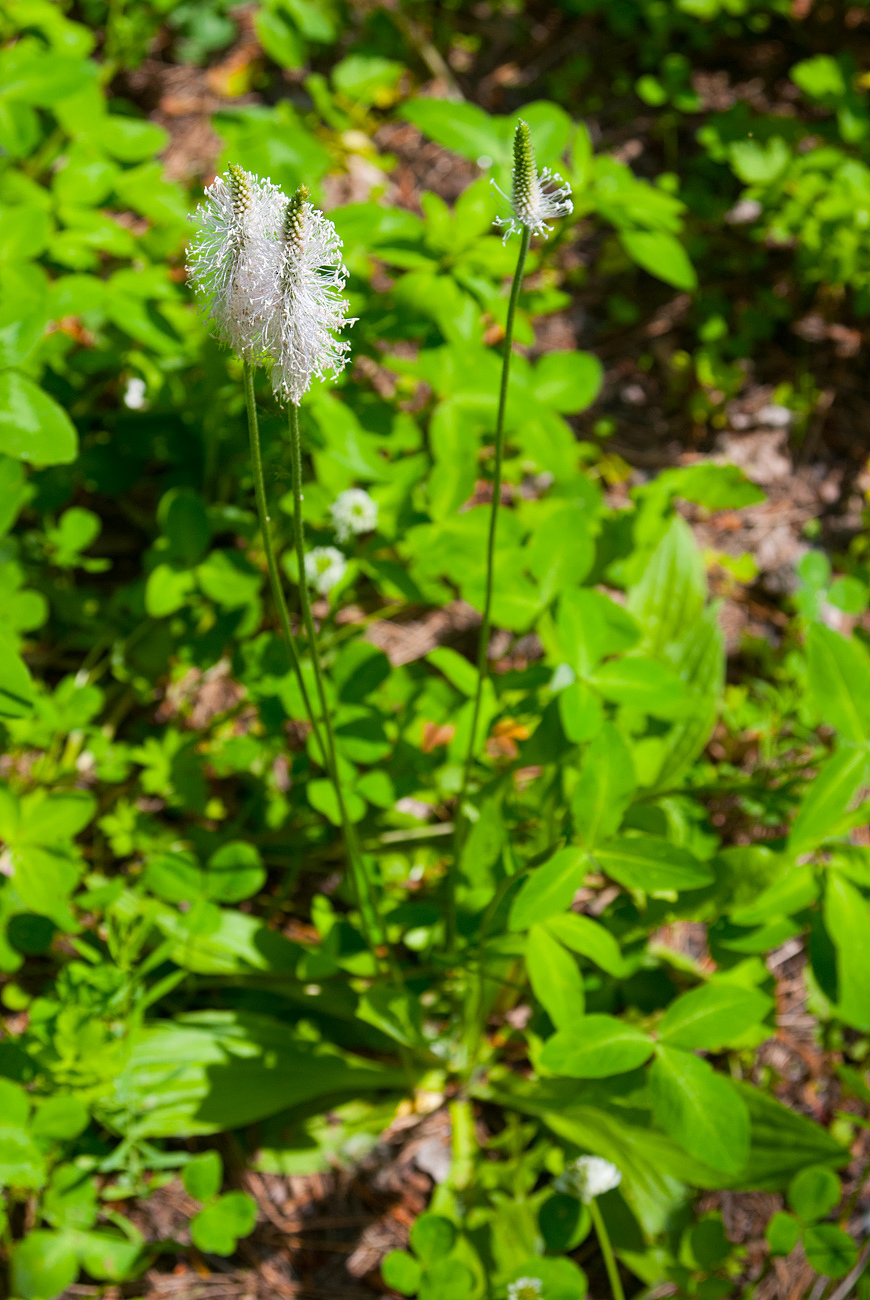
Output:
x=536 y=197
x=303 y=307
x=233 y=254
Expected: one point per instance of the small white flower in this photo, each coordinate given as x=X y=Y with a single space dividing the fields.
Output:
x=588 y=1177
x=525 y=1288
x=135 y=394
x=302 y=306
x=234 y=255
x=353 y=511
x=536 y=196
x=324 y=567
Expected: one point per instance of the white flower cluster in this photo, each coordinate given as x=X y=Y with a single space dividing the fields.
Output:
x=525 y=1288
x=588 y=1177
x=536 y=196
x=353 y=511
x=269 y=271
x=325 y=566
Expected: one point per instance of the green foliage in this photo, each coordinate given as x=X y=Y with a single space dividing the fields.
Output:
x=184 y=953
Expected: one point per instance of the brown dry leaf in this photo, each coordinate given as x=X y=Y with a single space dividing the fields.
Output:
x=435 y=734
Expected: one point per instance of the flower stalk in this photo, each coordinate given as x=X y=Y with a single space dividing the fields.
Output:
x=486 y=622
x=535 y=200
x=606 y=1250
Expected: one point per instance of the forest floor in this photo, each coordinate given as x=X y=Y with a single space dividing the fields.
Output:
x=324 y=1234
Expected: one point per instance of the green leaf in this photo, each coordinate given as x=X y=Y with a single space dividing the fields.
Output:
x=554 y=977
x=60 y=1119
x=432 y=1237
x=228 y=579
x=174 y=877
x=700 y=1109
x=16 y=686
x=830 y=1250
x=718 y=487
x=839 y=681
x=401 y=1272
x=43 y=1265
x=32 y=425
x=580 y=712
x=549 y=889
x=58 y=817
x=819 y=76
x=455 y=667
x=217 y=1228
x=782 y=1233
x=759 y=163
x=562 y=1279
x=568 y=381
x=814 y=1192
x=712 y=1016
x=108 y=1256
x=279 y=38
x=847 y=921
x=184 y=520
x=652 y=865
x=70 y=1201
x=44 y=881
x=464 y=128
x=202 y=1176
x=590 y=939
x=592 y=626
x=605 y=788
x=662 y=255
x=21 y=1162
x=827 y=799
x=643 y=684
x=235 y=871
x=167 y=590
x=447 y=1279
x=216 y=1070
x=564 y=1222
x=596 y=1047
x=782 y=1142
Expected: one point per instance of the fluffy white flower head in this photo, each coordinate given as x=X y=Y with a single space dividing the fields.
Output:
x=525 y=1288
x=588 y=1177
x=324 y=567
x=536 y=196
x=233 y=255
x=302 y=307
x=353 y=511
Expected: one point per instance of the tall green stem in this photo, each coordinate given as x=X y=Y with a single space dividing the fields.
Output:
x=271 y=562
x=365 y=901
x=483 y=646
x=606 y=1250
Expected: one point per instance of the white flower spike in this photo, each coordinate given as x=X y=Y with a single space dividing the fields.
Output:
x=353 y=511
x=234 y=254
x=303 y=307
x=525 y=1288
x=588 y=1177
x=536 y=196
x=325 y=566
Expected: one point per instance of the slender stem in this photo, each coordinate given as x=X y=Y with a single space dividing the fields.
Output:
x=271 y=562
x=463 y=1143
x=359 y=875
x=606 y=1250
x=483 y=645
